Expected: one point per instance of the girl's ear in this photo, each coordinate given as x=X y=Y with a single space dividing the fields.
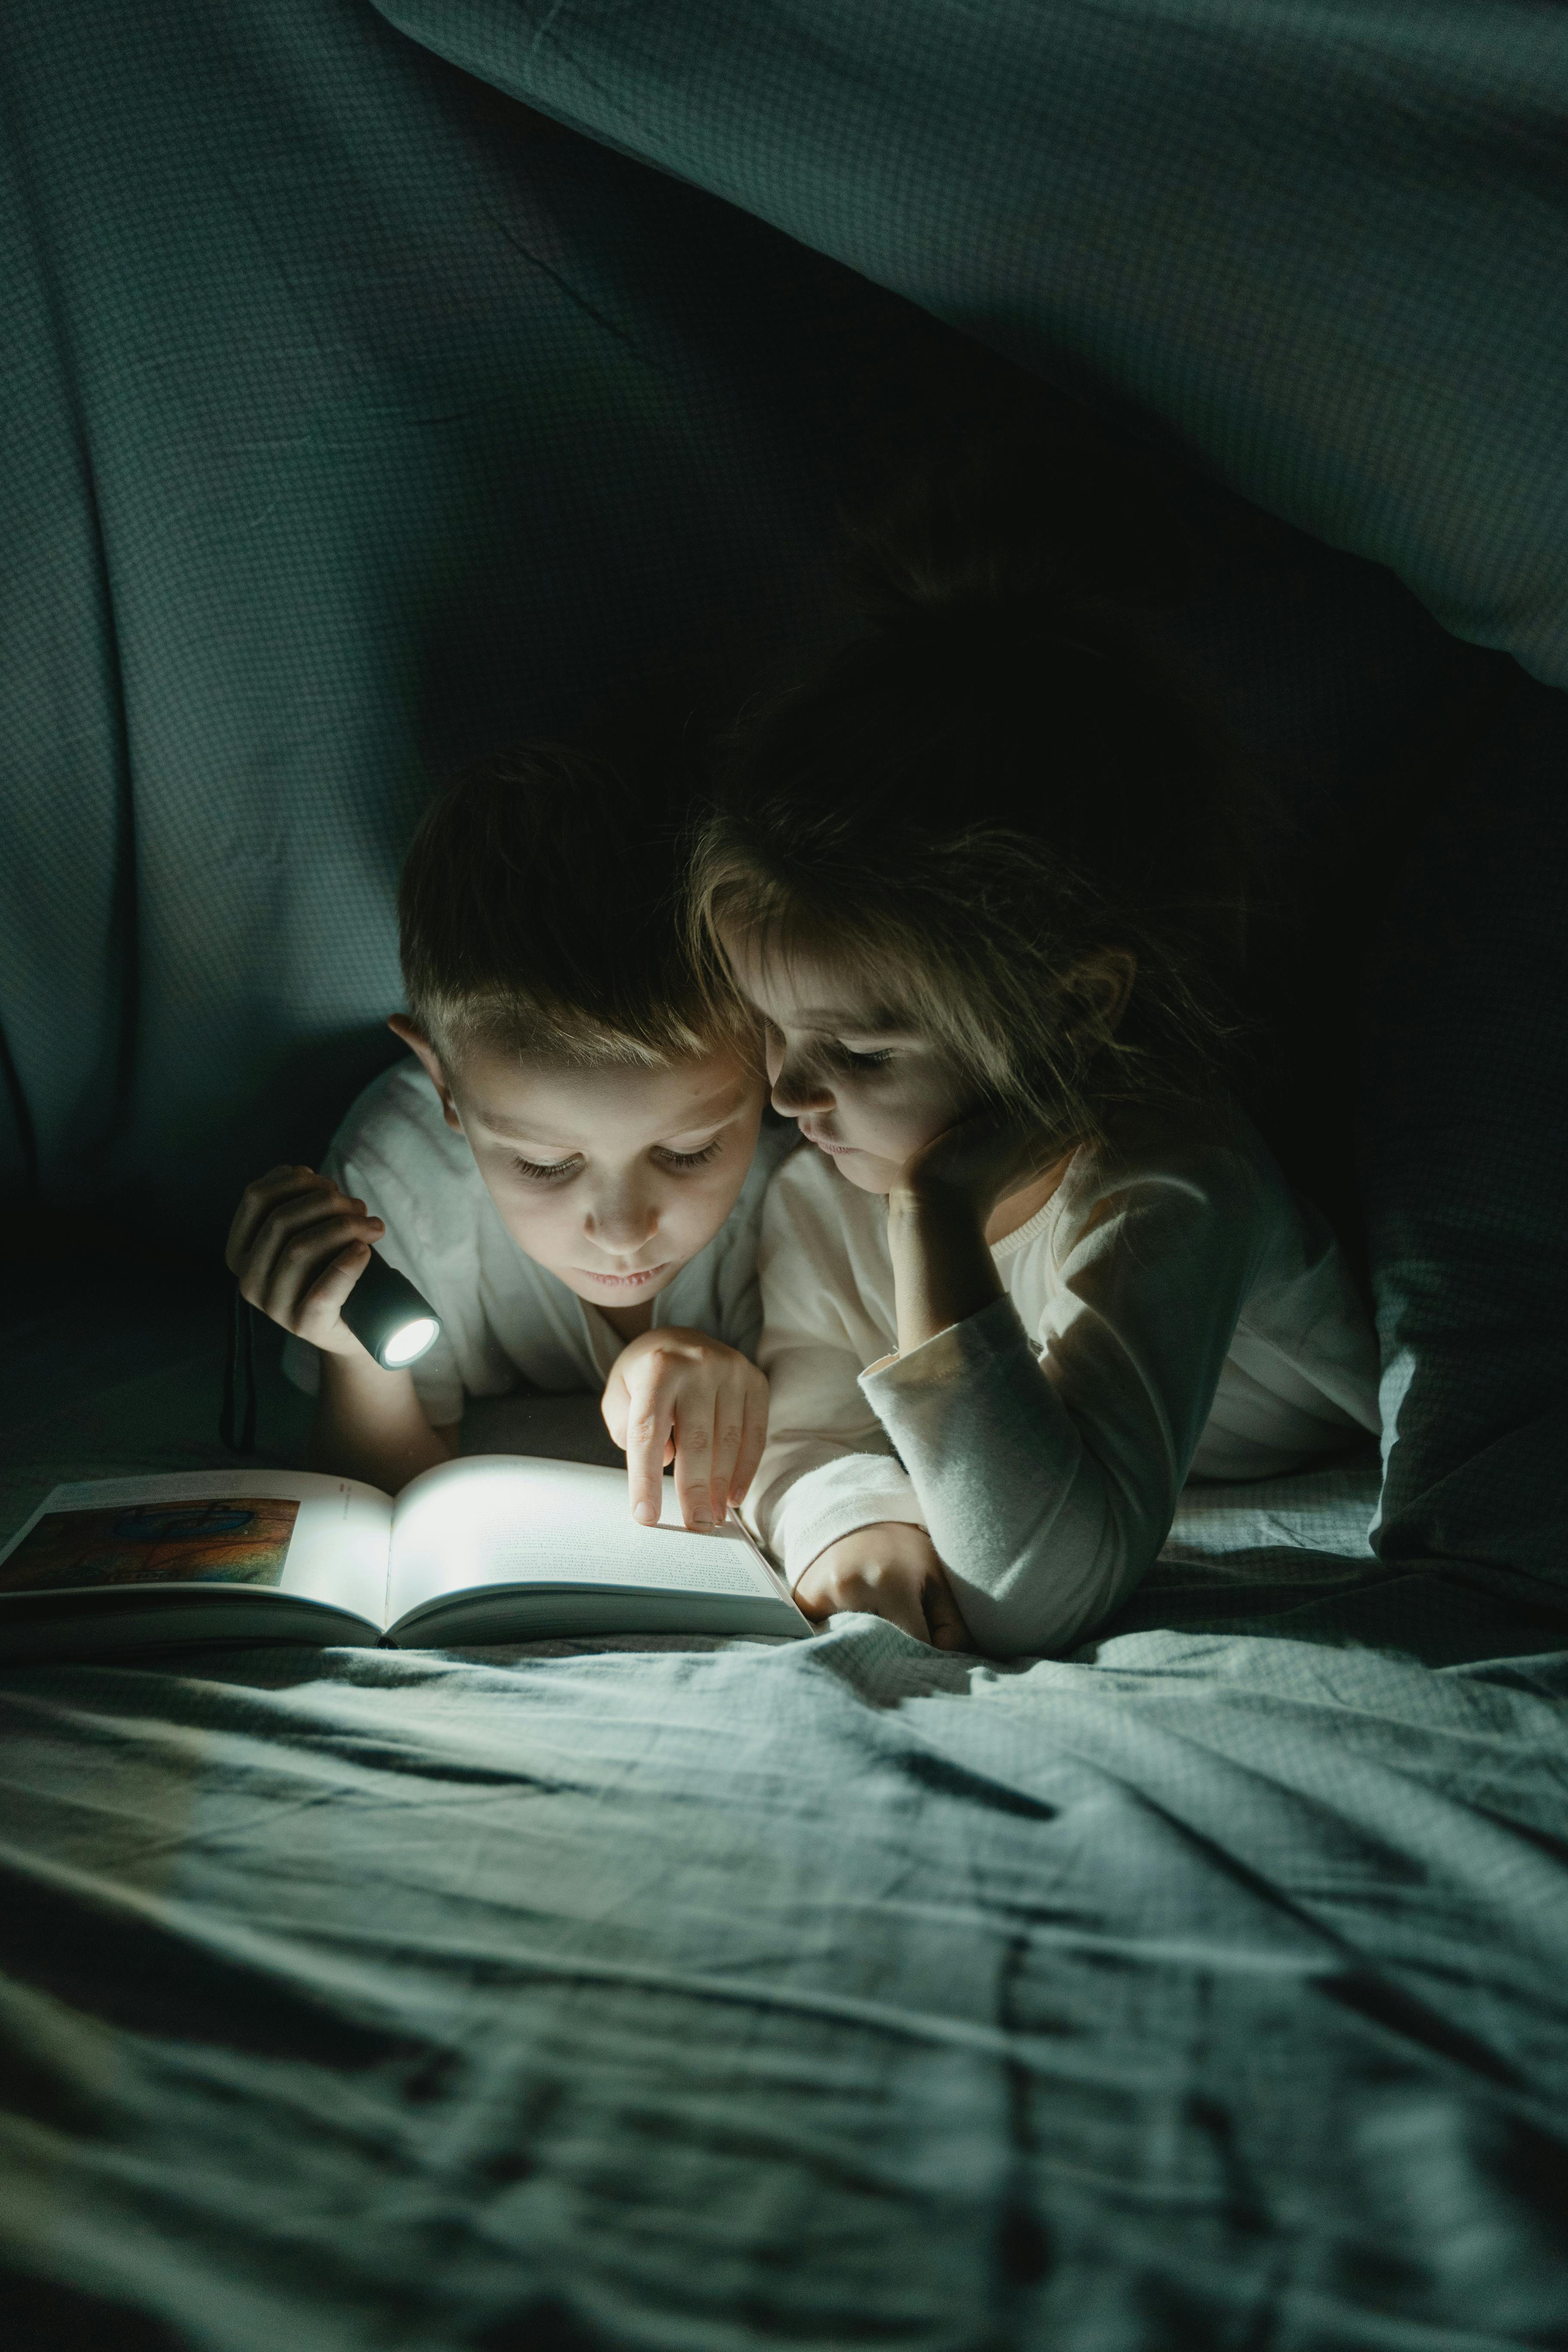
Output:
x=417 y=1040
x=1102 y=983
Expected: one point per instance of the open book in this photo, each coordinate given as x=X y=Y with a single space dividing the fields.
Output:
x=494 y=1548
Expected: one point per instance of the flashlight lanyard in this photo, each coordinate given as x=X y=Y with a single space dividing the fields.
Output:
x=239 y=1377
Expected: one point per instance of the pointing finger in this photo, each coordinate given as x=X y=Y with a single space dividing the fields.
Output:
x=648 y=1433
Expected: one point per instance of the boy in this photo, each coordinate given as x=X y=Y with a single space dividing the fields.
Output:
x=569 y=1170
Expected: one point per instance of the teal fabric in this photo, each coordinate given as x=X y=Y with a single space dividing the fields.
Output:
x=1197 y=1990
x=359 y=422
x=1323 y=241
x=361 y=419
x=1465 y=1137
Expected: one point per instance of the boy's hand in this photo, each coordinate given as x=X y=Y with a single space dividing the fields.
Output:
x=888 y=1571
x=299 y=1246
x=678 y=1395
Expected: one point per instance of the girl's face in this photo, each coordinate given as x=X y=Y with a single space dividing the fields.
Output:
x=867 y=1094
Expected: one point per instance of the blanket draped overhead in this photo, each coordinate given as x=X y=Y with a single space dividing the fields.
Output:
x=1324 y=241
x=359 y=423
x=362 y=420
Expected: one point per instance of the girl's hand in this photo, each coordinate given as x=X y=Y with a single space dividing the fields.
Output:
x=887 y=1570
x=676 y=1395
x=978 y=1162
x=299 y=1246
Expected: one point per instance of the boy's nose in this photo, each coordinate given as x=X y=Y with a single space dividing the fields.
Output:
x=624 y=1225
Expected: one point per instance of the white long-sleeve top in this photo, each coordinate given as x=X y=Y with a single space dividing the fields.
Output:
x=1174 y=1308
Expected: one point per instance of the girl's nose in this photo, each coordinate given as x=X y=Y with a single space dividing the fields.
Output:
x=796 y=1090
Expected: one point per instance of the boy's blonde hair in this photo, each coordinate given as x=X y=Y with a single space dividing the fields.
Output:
x=998 y=778
x=538 y=911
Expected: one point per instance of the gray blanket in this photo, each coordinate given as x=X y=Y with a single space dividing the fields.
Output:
x=1204 y=1989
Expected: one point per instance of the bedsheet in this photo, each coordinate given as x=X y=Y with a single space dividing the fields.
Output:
x=1205 y=1988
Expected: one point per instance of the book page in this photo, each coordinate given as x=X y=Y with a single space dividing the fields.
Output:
x=498 y=1519
x=290 y=1531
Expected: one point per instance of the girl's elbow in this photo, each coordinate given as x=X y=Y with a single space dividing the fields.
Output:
x=1037 y=1613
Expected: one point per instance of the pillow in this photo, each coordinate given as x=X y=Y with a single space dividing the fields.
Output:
x=1465 y=1146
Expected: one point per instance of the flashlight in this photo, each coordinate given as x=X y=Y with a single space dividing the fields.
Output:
x=387 y=1315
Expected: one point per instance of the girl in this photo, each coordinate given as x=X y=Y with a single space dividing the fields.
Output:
x=981 y=877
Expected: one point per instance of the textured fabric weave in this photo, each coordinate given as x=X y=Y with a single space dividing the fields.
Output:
x=1197 y=1990
x=359 y=423
x=1323 y=241
x=1465 y=1126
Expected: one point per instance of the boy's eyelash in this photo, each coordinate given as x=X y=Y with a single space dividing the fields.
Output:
x=690 y=1158
x=538 y=1175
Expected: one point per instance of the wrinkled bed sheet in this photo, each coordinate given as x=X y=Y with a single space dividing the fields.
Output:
x=1205 y=1988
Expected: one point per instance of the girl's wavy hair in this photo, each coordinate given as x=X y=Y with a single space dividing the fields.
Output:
x=998 y=778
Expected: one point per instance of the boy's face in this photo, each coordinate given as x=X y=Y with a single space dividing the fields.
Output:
x=868 y=1094
x=613 y=1178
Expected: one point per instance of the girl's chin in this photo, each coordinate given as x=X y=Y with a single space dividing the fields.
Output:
x=865 y=1171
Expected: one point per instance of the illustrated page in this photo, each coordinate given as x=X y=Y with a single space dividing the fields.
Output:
x=502 y=1519
x=323 y=1539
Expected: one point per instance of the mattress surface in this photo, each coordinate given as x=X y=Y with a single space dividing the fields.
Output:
x=1204 y=1987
